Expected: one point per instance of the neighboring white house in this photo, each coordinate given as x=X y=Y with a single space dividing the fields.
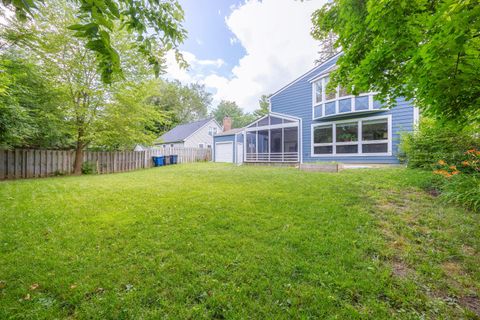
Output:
x=198 y=134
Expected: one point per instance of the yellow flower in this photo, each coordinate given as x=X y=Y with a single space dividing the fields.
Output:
x=441 y=162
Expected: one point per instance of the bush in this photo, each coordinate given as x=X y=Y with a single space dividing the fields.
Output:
x=435 y=141
x=453 y=155
x=88 y=167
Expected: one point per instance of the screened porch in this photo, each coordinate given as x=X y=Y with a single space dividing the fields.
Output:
x=272 y=138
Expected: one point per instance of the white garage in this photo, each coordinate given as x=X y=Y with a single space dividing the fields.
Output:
x=228 y=146
x=224 y=151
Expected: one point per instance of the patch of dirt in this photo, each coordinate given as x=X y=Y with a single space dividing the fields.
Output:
x=472 y=303
x=452 y=268
x=433 y=192
x=468 y=250
x=400 y=269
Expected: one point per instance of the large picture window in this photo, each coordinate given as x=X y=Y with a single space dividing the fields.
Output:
x=375 y=130
x=359 y=137
x=323 y=134
x=347 y=132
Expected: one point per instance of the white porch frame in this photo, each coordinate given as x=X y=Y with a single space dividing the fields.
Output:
x=294 y=122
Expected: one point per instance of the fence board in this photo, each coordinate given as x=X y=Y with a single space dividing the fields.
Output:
x=28 y=163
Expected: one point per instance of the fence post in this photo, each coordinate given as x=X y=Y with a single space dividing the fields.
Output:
x=2 y=165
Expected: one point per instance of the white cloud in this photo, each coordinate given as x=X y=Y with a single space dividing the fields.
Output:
x=216 y=63
x=5 y=14
x=278 y=45
x=276 y=37
x=195 y=72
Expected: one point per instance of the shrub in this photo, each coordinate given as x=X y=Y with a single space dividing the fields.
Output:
x=88 y=167
x=434 y=141
x=454 y=156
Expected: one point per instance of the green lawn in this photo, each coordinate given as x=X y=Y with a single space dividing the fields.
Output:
x=225 y=242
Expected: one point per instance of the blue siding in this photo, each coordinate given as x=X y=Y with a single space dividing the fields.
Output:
x=296 y=100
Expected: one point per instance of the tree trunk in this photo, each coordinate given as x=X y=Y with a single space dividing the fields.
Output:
x=77 y=168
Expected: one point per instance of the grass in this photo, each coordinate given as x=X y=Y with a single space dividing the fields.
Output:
x=226 y=242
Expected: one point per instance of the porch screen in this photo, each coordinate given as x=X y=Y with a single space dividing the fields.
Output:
x=276 y=140
x=252 y=142
x=290 y=136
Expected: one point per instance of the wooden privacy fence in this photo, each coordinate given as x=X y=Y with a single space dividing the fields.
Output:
x=27 y=163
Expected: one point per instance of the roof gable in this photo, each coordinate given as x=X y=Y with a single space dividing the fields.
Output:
x=318 y=68
x=183 y=131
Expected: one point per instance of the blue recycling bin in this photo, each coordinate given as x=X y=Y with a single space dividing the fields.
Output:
x=174 y=159
x=158 y=161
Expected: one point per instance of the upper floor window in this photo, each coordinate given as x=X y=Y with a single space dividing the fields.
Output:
x=328 y=102
x=318 y=88
x=212 y=131
x=342 y=92
x=321 y=93
x=329 y=93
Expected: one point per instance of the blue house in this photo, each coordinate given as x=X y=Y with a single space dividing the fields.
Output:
x=308 y=124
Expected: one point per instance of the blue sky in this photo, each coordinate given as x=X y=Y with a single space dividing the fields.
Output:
x=208 y=35
x=241 y=49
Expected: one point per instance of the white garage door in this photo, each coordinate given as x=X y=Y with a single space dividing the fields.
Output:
x=224 y=152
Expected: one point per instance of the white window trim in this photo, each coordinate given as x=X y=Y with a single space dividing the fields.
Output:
x=360 y=142
x=292 y=123
x=337 y=99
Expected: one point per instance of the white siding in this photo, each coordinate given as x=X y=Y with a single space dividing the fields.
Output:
x=202 y=136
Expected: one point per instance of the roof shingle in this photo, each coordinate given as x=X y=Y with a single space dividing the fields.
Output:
x=183 y=131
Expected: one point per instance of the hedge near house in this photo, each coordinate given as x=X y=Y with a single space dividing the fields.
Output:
x=453 y=155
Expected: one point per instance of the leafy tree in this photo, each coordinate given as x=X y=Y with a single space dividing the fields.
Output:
x=423 y=50
x=231 y=109
x=264 y=105
x=90 y=111
x=116 y=131
x=184 y=103
x=13 y=118
x=153 y=23
x=327 y=47
x=29 y=116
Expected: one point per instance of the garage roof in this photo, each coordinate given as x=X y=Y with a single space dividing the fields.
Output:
x=229 y=132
